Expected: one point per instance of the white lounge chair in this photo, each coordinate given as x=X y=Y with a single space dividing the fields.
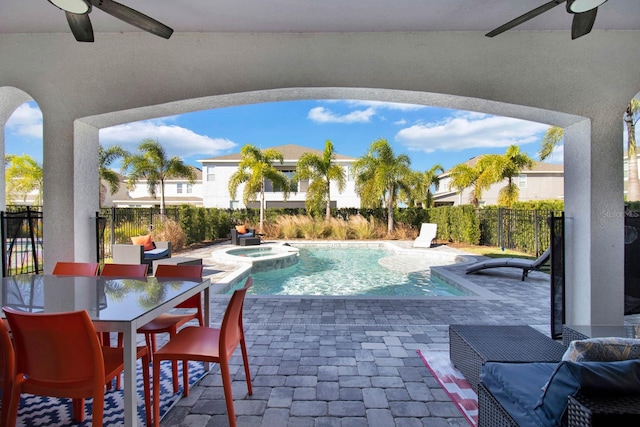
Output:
x=427 y=234
x=526 y=265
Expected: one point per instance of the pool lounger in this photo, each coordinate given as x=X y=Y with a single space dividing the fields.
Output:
x=526 y=265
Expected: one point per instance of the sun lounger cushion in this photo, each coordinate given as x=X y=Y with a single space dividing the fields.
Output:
x=604 y=349
x=157 y=253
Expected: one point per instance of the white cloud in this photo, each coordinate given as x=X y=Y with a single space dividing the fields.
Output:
x=324 y=115
x=381 y=105
x=464 y=131
x=26 y=121
x=176 y=140
x=400 y=122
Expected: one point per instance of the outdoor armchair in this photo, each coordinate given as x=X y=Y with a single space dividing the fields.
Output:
x=136 y=254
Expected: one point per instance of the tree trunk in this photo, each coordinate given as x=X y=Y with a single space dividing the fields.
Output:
x=262 y=206
x=327 y=214
x=162 y=206
x=390 y=213
x=633 y=182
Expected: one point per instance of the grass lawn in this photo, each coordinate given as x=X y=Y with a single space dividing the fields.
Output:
x=491 y=251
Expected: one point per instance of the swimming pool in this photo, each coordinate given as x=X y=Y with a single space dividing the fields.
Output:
x=354 y=271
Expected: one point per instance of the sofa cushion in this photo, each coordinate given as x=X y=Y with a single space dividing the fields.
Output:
x=158 y=253
x=146 y=241
x=241 y=229
x=589 y=378
x=605 y=349
x=517 y=387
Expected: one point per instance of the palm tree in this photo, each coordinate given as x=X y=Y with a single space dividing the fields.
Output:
x=480 y=176
x=631 y=116
x=255 y=167
x=321 y=171
x=420 y=183
x=507 y=166
x=552 y=138
x=108 y=177
x=431 y=178
x=381 y=174
x=23 y=176
x=152 y=164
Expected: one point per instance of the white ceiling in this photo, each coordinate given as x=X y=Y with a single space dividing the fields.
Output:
x=39 y=16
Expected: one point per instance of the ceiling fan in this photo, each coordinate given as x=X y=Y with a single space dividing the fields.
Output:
x=584 y=15
x=77 y=12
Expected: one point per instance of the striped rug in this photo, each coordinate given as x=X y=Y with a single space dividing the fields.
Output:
x=453 y=383
x=46 y=411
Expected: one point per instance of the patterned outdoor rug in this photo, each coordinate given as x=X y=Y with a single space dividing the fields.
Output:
x=45 y=411
x=453 y=383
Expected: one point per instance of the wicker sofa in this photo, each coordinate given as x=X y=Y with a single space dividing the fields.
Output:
x=135 y=254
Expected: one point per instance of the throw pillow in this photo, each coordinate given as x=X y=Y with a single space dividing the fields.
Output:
x=145 y=241
x=588 y=378
x=607 y=349
x=241 y=229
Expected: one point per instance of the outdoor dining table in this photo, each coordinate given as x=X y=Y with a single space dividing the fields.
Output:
x=114 y=305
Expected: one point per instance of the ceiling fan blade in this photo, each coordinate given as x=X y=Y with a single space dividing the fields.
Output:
x=133 y=17
x=583 y=23
x=523 y=18
x=80 y=26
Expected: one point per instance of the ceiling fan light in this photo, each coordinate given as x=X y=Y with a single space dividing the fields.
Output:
x=78 y=7
x=579 y=6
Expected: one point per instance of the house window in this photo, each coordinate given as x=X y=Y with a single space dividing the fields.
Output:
x=179 y=189
x=189 y=188
x=522 y=181
x=211 y=176
x=234 y=204
x=348 y=173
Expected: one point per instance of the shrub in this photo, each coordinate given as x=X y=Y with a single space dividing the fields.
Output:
x=169 y=230
x=360 y=228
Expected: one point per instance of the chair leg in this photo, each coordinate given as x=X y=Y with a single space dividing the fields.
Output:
x=78 y=409
x=98 y=409
x=174 y=366
x=12 y=410
x=228 y=394
x=245 y=361
x=185 y=378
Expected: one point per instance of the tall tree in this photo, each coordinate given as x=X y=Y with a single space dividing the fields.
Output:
x=431 y=178
x=151 y=163
x=631 y=116
x=553 y=137
x=420 y=184
x=108 y=177
x=254 y=168
x=480 y=176
x=380 y=175
x=23 y=175
x=320 y=171
x=507 y=166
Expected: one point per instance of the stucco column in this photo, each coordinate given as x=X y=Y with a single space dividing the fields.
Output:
x=70 y=173
x=594 y=210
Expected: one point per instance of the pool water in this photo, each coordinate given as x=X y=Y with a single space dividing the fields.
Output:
x=351 y=272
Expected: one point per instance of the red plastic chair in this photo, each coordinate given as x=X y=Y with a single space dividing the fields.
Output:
x=7 y=371
x=76 y=268
x=59 y=355
x=170 y=322
x=206 y=344
x=124 y=270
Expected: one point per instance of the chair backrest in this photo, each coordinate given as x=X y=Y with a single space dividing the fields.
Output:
x=76 y=268
x=231 y=329
x=181 y=271
x=56 y=348
x=125 y=270
x=428 y=229
x=542 y=258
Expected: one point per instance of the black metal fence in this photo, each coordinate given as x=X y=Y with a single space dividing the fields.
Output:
x=22 y=241
x=523 y=230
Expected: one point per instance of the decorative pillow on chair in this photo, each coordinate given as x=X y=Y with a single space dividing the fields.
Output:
x=607 y=349
x=241 y=229
x=145 y=241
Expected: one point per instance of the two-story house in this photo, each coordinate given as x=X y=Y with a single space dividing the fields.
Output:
x=217 y=171
x=544 y=181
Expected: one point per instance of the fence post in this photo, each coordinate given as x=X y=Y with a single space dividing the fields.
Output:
x=536 y=232
x=113 y=225
x=500 y=229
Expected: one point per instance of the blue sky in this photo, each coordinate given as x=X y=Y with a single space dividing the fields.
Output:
x=429 y=135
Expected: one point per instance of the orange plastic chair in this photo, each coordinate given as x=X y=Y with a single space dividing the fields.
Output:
x=7 y=371
x=59 y=355
x=76 y=268
x=170 y=322
x=124 y=270
x=207 y=344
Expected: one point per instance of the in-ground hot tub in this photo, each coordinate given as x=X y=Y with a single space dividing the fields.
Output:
x=261 y=258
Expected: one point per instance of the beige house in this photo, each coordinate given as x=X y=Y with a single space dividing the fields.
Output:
x=545 y=181
x=177 y=191
x=217 y=172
